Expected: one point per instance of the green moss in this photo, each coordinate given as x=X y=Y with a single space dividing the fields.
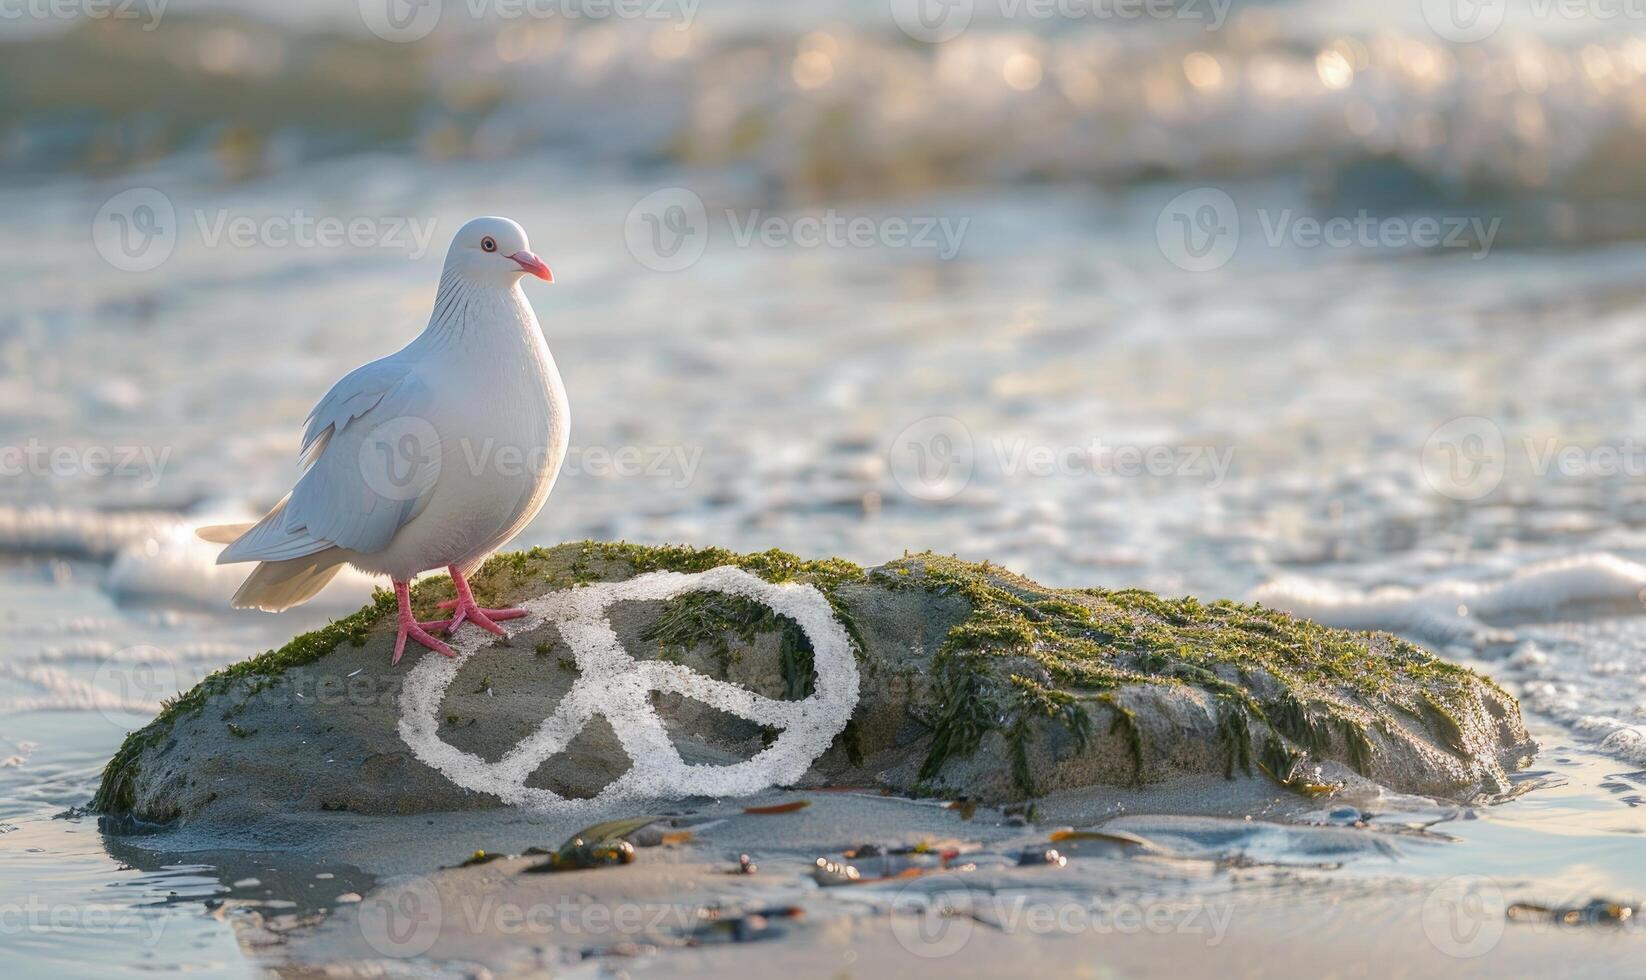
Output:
x=1444 y=723
x=1278 y=759
x=115 y=794
x=1030 y=705
x=1024 y=657
x=1090 y=641
x=1020 y=640
x=851 y=739
x=1235 y=734
x=773 y=566
x=711 y=619
x=1358 y=745
x=1124 y=724
x=595 y=561
x=966 y=710
x=1308 y=725
x=502 y=574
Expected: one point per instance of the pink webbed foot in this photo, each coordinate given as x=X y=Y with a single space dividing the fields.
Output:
x=467 y=610
x=410 y=627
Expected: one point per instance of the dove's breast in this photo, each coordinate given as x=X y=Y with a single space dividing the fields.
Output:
x=501 y=413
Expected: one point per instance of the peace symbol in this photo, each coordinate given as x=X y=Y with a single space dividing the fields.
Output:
x=613 y=684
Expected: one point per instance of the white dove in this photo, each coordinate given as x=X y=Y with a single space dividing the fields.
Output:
x=436 y=455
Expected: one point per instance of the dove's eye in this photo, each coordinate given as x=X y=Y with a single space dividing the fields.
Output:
x=488 y=244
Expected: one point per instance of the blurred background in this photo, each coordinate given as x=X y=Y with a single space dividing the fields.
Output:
x=1296 y=301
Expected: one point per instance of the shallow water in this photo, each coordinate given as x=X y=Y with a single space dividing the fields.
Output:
x=1052 y=328
x=861 y=401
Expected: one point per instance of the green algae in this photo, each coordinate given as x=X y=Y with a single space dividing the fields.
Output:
x=1278 y=759
x=1235 y=735
x=1030 y=701
x=589 y=557
x=502 y=574
x=711 y=620
x=1123 y=722
x=695 y=618
x=1358 y=745
x=115 y=794
x=1088 y=642
x=1444 y=723
x=1025 y=659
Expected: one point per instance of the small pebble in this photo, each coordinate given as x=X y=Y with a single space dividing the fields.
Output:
x=1037 y=855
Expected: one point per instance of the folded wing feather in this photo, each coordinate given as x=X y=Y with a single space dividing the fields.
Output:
x=372 y=458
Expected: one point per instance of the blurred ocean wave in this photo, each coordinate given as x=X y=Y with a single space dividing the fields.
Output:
x=1387 y=116
x=778 y=381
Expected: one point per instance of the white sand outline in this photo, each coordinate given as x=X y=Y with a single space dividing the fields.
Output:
x=615 y=685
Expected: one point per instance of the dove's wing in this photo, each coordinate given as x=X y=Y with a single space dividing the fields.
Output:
x=372 y=463
x=358 y=393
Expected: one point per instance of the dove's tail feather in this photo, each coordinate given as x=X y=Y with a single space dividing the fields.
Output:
x=268 y=540
x=278 y=585
x=222 y=533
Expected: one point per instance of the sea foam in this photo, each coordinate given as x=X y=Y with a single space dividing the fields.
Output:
x=175 y=566
x=1584 y=671
x=1452 y=610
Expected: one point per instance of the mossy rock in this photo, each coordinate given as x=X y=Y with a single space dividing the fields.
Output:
x=976 y=681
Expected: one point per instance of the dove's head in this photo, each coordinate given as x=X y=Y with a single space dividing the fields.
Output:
x=494 y=250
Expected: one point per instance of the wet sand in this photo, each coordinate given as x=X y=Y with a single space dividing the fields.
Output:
x=1257 y=884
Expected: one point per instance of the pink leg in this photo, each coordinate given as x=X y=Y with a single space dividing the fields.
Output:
x=412 y=628
x=468 y=610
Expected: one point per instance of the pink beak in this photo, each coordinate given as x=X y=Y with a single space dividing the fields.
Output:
x=533 y=265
